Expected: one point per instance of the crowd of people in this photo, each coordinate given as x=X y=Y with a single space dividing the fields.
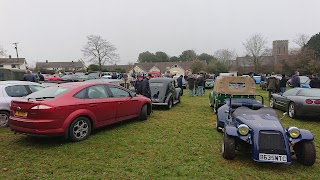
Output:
x=196 y=85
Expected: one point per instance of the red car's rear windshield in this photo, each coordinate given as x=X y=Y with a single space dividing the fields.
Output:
x=50 y=92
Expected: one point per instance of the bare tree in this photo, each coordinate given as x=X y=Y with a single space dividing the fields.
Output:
x=2 y=51
x=256 y=46
x=301 y=39
x=225 y=55
x=100 y=51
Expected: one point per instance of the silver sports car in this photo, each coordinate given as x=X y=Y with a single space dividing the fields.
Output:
x=298 y=102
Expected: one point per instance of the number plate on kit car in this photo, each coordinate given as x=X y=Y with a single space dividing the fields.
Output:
x=272 y=157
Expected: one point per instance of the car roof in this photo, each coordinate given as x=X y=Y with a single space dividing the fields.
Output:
x=84 y=83
x=161 y=79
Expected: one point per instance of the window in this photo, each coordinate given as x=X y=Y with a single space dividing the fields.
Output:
x=81 y=94
x=97 y=92
x=279 y=50
x=284 y=50
x=16 y=91
x=49 y=92
x=34 y=88
x=236 y=85
x=13 y=66
x=117 y=92
x=290 y=92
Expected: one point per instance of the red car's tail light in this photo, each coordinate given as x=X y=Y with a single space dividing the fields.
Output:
x=42 y=107
x=309 y=101
x=317 y=101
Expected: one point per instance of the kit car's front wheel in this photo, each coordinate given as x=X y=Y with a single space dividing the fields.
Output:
x=228 y=147
x=305 y=152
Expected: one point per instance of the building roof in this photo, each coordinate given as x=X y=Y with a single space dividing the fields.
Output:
x=112 y=68
x=41 y=65
x=12 y=61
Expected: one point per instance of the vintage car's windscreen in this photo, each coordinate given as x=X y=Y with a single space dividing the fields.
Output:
x=309 y=92
x=156 y=84
x=49 y=92
x=237 y=85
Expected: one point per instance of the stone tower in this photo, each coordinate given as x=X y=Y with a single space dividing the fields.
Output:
x=280 y=50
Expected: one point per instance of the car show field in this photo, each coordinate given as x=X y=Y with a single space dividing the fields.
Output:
x=180 y=143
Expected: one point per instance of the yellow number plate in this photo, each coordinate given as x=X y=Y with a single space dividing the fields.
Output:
x=19 y=113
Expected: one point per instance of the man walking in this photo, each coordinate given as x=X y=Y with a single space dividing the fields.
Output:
x=201 y=83
x=179 y=80
x=283 y=83
x=191 y=85
x=138 y=84
x=146 y=87
x=295 y=80
x=271 y=84
x=29 y=76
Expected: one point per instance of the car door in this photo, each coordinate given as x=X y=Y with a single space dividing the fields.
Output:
x=172 y=89
x=283 y=100
x=99 y=102
x=127 y=106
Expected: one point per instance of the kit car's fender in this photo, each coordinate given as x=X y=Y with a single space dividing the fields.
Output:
x=168 y=97
x=304 y=135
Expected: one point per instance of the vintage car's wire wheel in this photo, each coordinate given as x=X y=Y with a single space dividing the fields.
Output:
x=4 y=119
x=170 y=103
x=291 y=110
x=305 y=152
x=143 y=113
x=228 y=147
x=80 y=129
x=271 y=102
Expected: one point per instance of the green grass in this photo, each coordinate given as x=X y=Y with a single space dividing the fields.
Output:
x=181 y=143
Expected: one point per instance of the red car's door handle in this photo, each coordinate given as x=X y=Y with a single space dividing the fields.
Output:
x=92 y=105
x=120 y=102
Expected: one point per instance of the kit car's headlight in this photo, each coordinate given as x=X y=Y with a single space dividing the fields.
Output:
x=243 y=129
x=294 y=132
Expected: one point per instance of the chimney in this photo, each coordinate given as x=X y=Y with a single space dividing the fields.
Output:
x=46 y=61
x=9 y=56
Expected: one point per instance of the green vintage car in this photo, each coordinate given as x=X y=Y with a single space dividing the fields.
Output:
x=231 y=86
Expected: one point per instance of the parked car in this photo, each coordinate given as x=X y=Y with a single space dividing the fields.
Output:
x=298 y=102
x=55 y=77
x=227 y=86
x=70 y=78
x=304 y=82
x=209 y=83
x=10 y=90
x=74 y=109
x=251 y=127
x=164 y=92
x=184 y=82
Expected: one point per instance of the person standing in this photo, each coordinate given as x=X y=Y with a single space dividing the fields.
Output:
x=146 y=87
x=179 y=81
x=29 y=76
x=271 y=84
x=201 y=82
x=283 y=83
x=315 y=82
x=41 y=77
x=295 y=80
x=138 y=84
x=191 y=82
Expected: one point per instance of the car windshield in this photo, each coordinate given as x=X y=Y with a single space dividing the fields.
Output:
x=49 y=92
x=303 y=79
x=156 y=84
x=309 y=92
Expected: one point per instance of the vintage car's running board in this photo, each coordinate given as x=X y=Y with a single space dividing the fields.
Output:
x=160 y=104
x=175 y=102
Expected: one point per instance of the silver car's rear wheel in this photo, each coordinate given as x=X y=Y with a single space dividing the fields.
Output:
x=4 y=119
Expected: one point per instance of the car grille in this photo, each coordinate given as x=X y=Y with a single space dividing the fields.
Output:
x=271 y=142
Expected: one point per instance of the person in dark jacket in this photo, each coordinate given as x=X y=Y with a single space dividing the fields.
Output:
x=138 y=84
x=191 y=82
x=283 y=83
x=295 y=80
x=146 y=87
x=315 y=82
x=29 y=76
x=179 y=81
x=201 y=82
x=41 y=77
x=271 y=84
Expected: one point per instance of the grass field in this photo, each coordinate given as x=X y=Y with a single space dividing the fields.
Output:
x=181 y=143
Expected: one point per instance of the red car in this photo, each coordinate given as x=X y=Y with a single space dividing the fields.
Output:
x=54 y=77
x=74 y=109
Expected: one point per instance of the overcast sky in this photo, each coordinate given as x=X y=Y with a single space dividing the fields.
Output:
x=56 y=30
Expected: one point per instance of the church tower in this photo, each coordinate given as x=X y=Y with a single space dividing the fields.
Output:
x=280 y=50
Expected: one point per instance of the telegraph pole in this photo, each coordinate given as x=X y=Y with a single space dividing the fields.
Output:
x=16 y=47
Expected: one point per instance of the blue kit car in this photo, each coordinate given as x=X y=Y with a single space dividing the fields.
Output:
x=250 y=126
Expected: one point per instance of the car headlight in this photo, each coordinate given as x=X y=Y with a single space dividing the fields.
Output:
x=294 y=132
x=243 y=129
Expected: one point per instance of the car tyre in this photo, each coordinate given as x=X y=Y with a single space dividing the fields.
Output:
x=79 y=129
x=143 y=113
x=169 y=106
x=179 y=98
x=305 y=152
x=4 y=119
x=292 y=110
x=271 y=102
x=228 y=147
